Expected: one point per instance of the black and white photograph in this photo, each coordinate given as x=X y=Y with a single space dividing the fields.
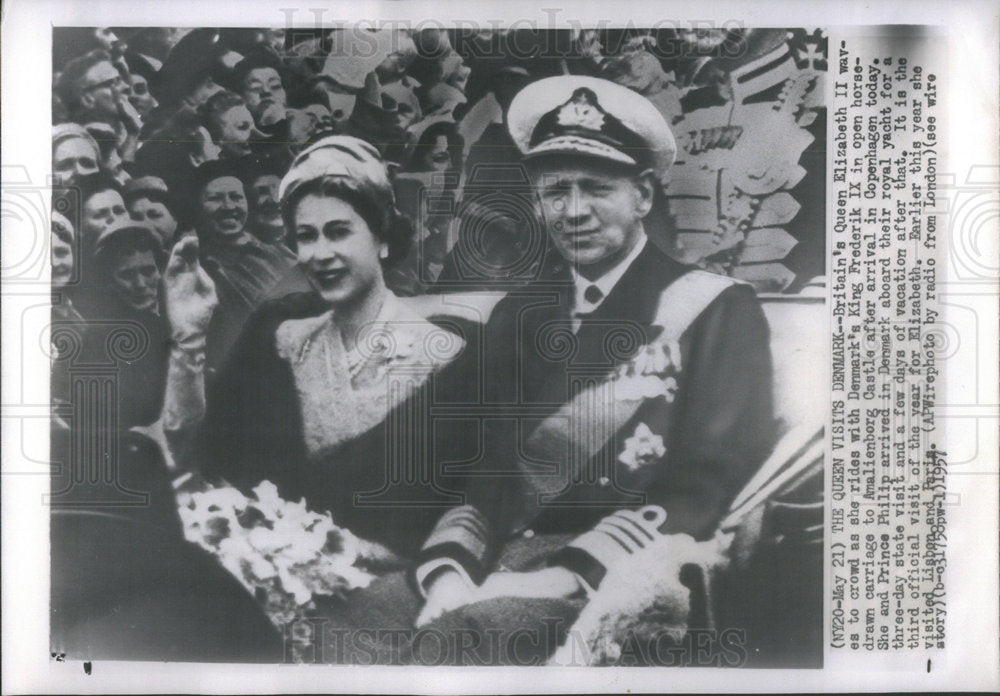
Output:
x=344 y=343
x=437 y=347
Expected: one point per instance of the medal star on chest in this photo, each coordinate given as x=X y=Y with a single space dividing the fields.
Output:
x=642 y=449
x=650 y=374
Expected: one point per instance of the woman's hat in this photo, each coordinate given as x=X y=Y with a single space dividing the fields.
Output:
x=66 y=131
x=336 y=156
x=129 y=232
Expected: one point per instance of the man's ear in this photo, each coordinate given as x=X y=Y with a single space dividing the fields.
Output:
x=87 y=100
x=645 y=185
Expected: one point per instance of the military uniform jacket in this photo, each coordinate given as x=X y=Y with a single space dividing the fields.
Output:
x=660 y=402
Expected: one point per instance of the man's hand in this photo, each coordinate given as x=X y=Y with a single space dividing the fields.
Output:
x=129 y=116
x=447 y=591
x=554 y=582
x=190 y=294
x=272 y=114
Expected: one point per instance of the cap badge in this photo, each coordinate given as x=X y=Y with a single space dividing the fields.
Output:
x=582 y=111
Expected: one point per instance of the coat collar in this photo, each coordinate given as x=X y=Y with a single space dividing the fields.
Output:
x=635 y=296
x=606 y=282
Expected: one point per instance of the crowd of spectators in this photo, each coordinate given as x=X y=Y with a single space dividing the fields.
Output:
x=161 y=133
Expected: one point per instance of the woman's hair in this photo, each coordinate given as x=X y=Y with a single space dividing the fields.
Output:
x=385 y=222
x=427 y=141
x=218 y=104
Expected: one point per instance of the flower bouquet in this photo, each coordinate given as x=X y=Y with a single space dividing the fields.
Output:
x=283 y=553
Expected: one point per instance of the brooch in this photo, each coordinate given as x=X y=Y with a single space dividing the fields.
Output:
x=643 y=448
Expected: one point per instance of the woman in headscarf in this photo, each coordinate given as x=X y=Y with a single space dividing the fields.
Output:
x=125 y=308
x=75 y=154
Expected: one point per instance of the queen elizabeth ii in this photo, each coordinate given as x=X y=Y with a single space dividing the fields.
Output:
x=334 y=395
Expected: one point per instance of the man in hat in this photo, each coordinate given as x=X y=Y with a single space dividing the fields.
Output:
x=632 y=394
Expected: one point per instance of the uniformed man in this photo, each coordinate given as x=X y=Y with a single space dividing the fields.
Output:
x=630 y=394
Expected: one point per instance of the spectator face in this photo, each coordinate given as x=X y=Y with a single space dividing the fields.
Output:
x=101 y=211
x=438 y=159
x=320 y=116
x=262 y=89
x=73 y=158
x=235 y=127
x=224 y=207
x=592 y=215
x=136 y=279
x=407 y=104
x=62 y=262
x=267 y=210
x=140 y=95
x=156 y=216
x=336 y=249
x=103 y=89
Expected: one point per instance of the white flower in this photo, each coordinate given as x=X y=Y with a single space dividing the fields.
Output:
x=285 y=550
x=669 y=389
x=291 y=583
x=268 y=499
x=643 y=448
x=261 y=568
x=227 y=498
